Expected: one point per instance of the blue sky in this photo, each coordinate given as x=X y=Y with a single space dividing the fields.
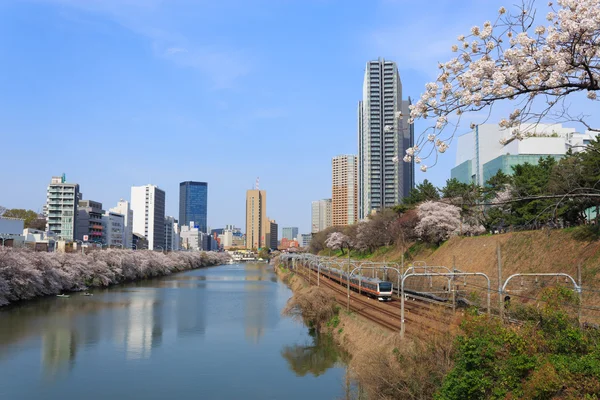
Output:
x=116 y=93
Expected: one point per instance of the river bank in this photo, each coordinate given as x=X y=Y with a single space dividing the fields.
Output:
x=383 y=365
x=26 y=275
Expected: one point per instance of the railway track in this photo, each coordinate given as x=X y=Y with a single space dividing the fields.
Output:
x=421 y=318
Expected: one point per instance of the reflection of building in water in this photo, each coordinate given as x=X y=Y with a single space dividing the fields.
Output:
x=59 y=347
x=257 y=302
x=191 y=311
x=140 y=335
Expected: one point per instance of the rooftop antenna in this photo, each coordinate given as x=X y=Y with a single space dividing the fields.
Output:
x=257 y=180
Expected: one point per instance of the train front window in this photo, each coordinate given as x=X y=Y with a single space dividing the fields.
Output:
x=385 y=287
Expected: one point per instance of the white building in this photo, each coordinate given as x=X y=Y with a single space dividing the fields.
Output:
x=39 y=240
x=114 y=228
x=148 y=205
x=191 y=237
x=304 y=239
x=61 y=207
x=321 y=216
x=383 y=137
x=488 y=149
x=124 y=208
x=171 y=234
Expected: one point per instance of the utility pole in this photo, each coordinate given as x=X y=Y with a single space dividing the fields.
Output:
x=580 y=292
x=453 y=286
x=500 y=299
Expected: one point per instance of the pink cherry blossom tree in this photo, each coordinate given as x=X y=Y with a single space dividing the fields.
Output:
x=26 y=274
x=515 y=58
x=338 y=241
x=438 y=221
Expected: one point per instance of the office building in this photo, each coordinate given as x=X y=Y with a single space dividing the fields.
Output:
x=304 y=239
x=257 y=223
x=124 y=208
x=232 y=237
x=321 y=217
x=148 y=205
x=89 y=221
x=344 y=191
x=61 y=207
x=273 y=234
x=172 y=238
x=114 y=229
x=383 y=137
x=488 y=149
x=193 y=204
x=290 y=233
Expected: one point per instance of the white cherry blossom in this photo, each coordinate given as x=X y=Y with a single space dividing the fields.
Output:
x=532 y=66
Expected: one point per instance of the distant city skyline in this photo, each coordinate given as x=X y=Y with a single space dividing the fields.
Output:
x=151 y=87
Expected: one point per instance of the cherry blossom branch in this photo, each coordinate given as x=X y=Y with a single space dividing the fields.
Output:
x=513 y=60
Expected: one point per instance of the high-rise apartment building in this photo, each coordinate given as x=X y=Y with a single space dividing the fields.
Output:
x=290 y=233
x=344 y=200
x=273 y=231
x=193 y=204
x=61 y=207
x=148 y=205
x=383 y=137
x=89 y=221
x=124 y=207
x=257 y=223
x=321 y=215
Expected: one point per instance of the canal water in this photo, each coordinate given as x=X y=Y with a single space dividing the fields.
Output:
x=214 y=333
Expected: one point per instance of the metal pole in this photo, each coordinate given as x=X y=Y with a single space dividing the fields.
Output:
x=402 y=308
x=500 y=299
x=453 y=288
x=359 y=281
x=348 y=288
x=580 y=291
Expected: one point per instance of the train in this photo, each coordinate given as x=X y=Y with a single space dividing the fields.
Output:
x=372 y=287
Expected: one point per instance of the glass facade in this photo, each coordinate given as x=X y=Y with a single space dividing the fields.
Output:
x=193 y=199
x=463 y=172
x=506 y=162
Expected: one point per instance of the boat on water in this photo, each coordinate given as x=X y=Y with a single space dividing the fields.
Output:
x=87 y=294
x=63 y=295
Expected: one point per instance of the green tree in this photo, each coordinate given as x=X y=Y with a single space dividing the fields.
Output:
x=263 y=253
x=30 y=217
x=422 y=192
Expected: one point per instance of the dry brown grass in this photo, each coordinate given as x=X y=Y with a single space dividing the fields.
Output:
x=312 y=305
x=387 y=367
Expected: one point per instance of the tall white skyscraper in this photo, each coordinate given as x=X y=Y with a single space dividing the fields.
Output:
x=383 y=137
x=148 y=205
x=124 y=207
x=321 y=215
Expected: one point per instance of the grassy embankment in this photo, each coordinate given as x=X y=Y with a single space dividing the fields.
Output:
x=521 y=252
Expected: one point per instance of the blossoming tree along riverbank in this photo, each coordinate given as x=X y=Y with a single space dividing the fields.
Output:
x=25 y=274
x=534 y=66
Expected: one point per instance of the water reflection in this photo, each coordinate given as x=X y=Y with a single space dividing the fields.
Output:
x=315 y=358
x=59 y=348
x=259 y=308
x=189 y=326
